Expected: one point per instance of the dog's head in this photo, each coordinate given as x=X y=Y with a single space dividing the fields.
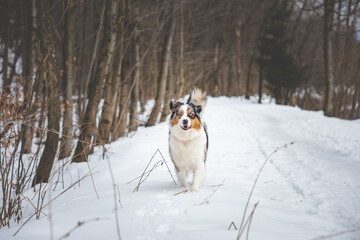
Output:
x=188 y=115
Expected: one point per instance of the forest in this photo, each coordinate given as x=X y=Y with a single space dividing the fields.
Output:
x=76 y=74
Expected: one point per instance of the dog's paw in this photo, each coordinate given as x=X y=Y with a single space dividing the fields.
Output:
x=194 y=188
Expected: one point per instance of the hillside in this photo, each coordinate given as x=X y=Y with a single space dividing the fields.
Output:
x=310 y=188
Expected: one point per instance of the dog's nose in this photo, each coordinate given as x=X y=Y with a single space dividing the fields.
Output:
x=185 y=121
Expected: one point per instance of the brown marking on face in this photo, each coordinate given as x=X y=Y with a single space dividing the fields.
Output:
x=176 y=118
x=195 y=123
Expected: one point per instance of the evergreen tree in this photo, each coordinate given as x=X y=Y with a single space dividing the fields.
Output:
x=281 y=71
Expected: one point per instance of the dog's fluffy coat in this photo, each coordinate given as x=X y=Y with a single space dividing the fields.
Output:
x=188 y=138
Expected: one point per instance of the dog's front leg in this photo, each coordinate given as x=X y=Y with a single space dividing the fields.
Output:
x=182 y=174
x=199 y=175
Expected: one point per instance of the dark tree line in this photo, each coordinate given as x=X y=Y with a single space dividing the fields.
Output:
x=75 y=74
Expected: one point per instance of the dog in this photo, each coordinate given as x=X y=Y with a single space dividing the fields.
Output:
x=188 y=138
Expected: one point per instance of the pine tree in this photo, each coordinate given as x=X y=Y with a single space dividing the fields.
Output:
x=281 y=71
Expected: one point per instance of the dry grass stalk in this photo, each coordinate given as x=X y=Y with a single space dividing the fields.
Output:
x=92 y=179
x=206 y=201
x=184 y=191
x=253 y=187
x=115 y=200
x=118 y=190
x=142 y=178
x=248 y=221
x=16 y=116
x=232 y=224
x=49 y=203
x=50 y=216
x=78 y=225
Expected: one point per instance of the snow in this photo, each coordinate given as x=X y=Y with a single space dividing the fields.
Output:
x=308 y=189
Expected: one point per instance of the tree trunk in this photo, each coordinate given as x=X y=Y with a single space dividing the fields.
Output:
x=88 y=125
x=248 y=77
x=135 y=94
x=87 y=51
x=48 y=54
x=5 y=60
x=120 y=117
x=67 y=129
x=111 y=98
x=180 y=86
x=41 y=91
x=154 y=71
x=261 y=72
x=217 y=72
x=90 y=68
x=230 y=77
x=112 y=133
x=358 y=107
x=328 y=58
x=168 y=94
x=354 y=102
x=278 y=95
x=110 y=94
x=117 y=128
x=120 y=128
x=163 y=72
x=28 y=72
x=238 y=58
x=135 y=91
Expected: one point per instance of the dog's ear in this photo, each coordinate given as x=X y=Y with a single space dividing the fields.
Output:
x=174 y=105
x=198 y=109
x=197 y=98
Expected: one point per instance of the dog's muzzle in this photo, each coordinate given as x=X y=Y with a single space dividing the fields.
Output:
x=185 y=125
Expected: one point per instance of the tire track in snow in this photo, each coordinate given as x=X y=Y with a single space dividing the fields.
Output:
x=245 y=121
x=308 y=172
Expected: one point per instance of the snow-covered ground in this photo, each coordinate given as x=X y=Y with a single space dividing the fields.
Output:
x=306 y=190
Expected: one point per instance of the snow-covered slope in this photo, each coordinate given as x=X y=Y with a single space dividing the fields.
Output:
x=308 y=189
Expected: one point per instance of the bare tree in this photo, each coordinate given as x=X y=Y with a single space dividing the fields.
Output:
x=88 y=125
x=181 y=79
x=66 y=137
x=328 y=57
x=168 y=93
x=28 y=67
x=53 y=104
x=135 y=54
x=5 y=55
x=164 y=71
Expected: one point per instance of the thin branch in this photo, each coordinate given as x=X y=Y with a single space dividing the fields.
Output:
x=92 y=179
x=253 y=187
x=232 y=224
x=137 y=187
x=115 y=201
x=49 y=203
x=167 y=166
x=142 y=178
x=184 y=191
x=78 y=225
x=248 y=220
x=218 y=186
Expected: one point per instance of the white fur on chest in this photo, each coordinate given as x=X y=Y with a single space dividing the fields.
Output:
x=188 y=148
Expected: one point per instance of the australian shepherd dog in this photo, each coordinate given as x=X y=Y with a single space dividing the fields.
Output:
x=188 y=138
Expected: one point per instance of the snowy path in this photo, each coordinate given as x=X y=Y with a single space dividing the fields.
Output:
x=308 y=189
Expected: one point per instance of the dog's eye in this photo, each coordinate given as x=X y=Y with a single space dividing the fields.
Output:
x=191 y=115
x=180 y=114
